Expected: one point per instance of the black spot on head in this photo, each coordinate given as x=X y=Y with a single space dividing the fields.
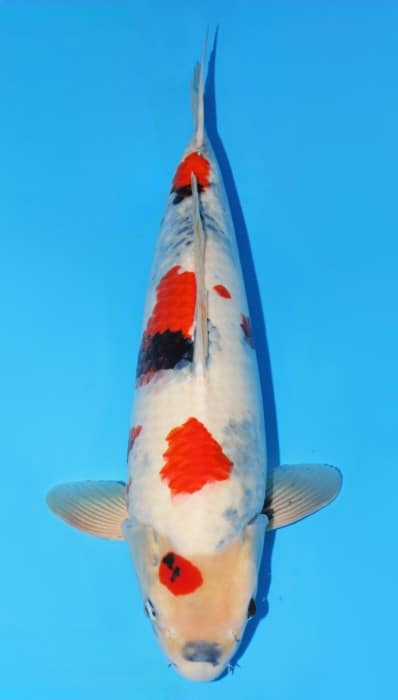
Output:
x=176 y=573
x=168 y=560
x=202 y=651
x=163 y=351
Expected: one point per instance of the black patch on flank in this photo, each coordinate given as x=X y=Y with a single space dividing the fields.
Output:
x=202 y=652
x=251 y=610
x=184 y=192
x=163 y=351
x=268 y=511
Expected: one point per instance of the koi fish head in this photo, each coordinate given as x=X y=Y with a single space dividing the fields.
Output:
x=199 y=604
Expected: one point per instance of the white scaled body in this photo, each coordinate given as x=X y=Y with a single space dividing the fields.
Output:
x=219 y=387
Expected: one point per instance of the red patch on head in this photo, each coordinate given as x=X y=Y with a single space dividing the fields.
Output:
x=174 y=308
x=194 y=458
x=222 y=291
x=194 y=163
x=247 y=330
x=179 y=575
x=133 y=435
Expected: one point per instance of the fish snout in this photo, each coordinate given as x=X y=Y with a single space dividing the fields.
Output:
x=201 y=661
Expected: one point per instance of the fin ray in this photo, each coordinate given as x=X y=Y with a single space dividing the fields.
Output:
x=95 y=507
x=298 y=490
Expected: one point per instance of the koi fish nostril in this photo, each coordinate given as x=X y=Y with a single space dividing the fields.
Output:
x=202 y=652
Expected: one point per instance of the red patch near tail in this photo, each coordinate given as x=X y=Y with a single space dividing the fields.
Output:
x=179 y=575
x=222 y=291
x=174 y=309
x=194 y=163
x=133 y=435
x=194 y=458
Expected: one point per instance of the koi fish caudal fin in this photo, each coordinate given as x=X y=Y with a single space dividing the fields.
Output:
x=197 y=94
x=99 y=507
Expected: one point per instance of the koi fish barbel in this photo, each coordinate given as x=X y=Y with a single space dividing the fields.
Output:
x=197 y=503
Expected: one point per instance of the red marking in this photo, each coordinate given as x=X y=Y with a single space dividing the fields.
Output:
x=222 y=291
x=179 y=575
x=174 y=309
x=194 y=163
x=133 y=435
x=247 y=330
x=194 y=458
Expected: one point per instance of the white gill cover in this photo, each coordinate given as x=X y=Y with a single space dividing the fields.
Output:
x=223 y=395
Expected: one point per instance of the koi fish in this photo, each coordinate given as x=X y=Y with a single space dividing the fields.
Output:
x=197 y=503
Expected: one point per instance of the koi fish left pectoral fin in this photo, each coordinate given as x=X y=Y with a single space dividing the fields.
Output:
x=297 y=490
x=96 y=507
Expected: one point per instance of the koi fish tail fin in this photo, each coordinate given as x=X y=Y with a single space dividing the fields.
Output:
x=197 y=95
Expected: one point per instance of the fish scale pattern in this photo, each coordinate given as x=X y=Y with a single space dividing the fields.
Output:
x=193 y=459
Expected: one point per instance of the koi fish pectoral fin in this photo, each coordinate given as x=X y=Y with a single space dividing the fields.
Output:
x=297 y=490
x=96 y=507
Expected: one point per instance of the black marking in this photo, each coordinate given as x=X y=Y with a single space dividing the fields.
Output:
x=163 y=351
x=268 y=510
x=168 y=560
x=176 y=573
x=184 y=192
x=247 y=330
x=251 y=610
x=149 y=609
x=202 y=651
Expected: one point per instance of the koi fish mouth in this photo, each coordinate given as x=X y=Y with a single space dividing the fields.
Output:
x=201 y=661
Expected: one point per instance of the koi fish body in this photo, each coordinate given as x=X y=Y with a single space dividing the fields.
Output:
x=196 y=506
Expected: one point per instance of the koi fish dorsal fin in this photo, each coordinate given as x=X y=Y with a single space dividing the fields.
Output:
x=197 y=92
x=201 y=333
x=297 y=490
x=96 y=507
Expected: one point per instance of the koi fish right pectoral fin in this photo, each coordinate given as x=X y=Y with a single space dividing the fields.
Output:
x=96 y=507
x=297 y=490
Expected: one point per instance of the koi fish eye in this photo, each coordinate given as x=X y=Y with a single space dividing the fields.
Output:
x=251 y=610
x=149 y=609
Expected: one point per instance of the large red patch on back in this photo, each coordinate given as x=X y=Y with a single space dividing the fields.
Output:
x=194 y=163
x=174 y=309
x=179 y=575
x=194 y=458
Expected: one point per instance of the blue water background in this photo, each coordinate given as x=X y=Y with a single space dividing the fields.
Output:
x=94 y=115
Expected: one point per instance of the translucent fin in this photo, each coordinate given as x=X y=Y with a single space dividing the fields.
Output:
x=197 y=90
x=297 y=490
x=201 y=335
x=95 y=507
